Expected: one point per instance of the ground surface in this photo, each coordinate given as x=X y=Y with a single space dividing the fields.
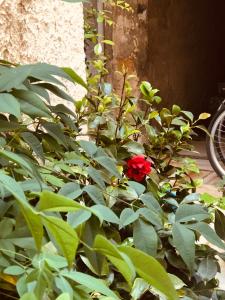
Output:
x=210 y=178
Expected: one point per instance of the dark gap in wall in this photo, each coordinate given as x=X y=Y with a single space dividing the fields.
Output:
x=186 y=51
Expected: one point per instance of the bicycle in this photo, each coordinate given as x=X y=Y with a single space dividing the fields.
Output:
x=215 y=141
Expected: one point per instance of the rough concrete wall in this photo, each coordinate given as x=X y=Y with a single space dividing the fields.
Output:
x=130 y=35
x=43 y=31
x=177 y=45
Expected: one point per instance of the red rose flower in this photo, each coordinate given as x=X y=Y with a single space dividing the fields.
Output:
x=138 y=167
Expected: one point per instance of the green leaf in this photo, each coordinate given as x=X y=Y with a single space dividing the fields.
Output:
x=184 y=242
x=55 y=202
x=151 y=271
x=9 y=104
x=57 y=91
x=45 y=72
x=71 y=190
x=13 y=77
x=95 y=194
x=191 y=212
x=208 y=233
x=139 y=188
x=34 y=143
x=139 y=287
x=176 y=109
x=95 y=259
x=127 y=217
x=64 y=235
x=151 y=202
x=64 y=286
x=220 y=224
x=96 y=176
x=14 y=270
x=9 y=126
x=32 y=218
x=17 y=159
x=106 y=213
x=134 y=147
x=29 y=296
x=145 y=88
x=145 y=237
x=207 y=269
x=121 y=262
x=98 y=49
x=31 y=104
x=89 y=147
x=109 y=164
x=204 y=116
x=95 y=285
x=151 y=216
x=188 y=114
x=56 y=132
x=64 y=296
x=73 y=75
x=74 y=219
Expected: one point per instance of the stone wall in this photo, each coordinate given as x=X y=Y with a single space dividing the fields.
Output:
x=43 y=31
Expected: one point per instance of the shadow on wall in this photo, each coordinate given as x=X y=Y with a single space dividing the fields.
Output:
x=186 y=51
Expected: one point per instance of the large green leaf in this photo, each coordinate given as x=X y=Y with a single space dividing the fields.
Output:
x=55 y=202
x=32 y=218
x=184 y=242
x=106 y=213
x=117 y=258
x=13 y=77
x=46 y=72
x=71 y=190
x=64 y=235
x=191 y=212
x=74 y=219
x=73 y=75
x=150 y=215
x=109 y=164
x=31 y=104
x=57 y=91
x=95 y=194
x=96 y=285
x=145 y=237
x=151 y=271
x=17 y=159
x=151 y=202
x=89 y=147
x=208 y=233
x=96 y=260
x=9 y=104
x=127 y=217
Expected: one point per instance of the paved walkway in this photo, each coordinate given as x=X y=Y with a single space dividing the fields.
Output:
x=210 y=178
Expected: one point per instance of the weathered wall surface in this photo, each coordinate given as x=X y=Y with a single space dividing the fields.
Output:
x=186 y=50
x=43 y=31
x=177 y=45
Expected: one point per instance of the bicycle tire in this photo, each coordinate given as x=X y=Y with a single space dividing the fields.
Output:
x=215 y=143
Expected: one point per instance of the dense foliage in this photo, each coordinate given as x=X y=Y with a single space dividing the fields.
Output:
x=96 y=201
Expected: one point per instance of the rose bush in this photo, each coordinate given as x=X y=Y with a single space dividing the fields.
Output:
x=92 y=219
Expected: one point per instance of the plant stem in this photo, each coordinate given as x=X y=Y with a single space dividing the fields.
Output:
x=122 y=103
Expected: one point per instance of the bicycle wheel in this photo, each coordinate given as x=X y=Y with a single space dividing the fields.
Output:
x=215 y=144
